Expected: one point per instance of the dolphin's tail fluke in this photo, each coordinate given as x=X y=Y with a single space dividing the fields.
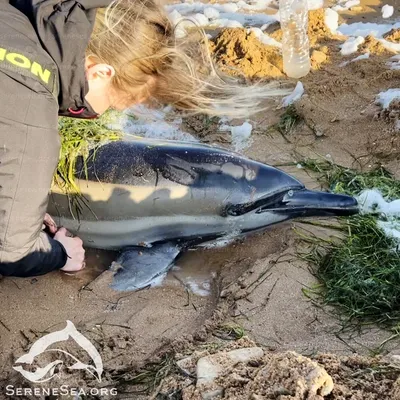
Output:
x=309 y=203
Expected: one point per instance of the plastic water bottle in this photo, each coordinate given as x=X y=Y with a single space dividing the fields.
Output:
x=295 y=44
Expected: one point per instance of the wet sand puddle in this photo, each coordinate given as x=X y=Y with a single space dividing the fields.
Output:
x=199 y=271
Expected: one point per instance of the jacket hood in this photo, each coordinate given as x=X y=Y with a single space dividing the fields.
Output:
x=64 y=29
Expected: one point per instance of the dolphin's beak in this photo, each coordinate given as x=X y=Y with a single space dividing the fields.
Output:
x=312 y=203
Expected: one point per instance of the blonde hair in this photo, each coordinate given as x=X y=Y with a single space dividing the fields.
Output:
x=137 y=38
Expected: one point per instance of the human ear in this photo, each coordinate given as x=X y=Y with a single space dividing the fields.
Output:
x=98 y=71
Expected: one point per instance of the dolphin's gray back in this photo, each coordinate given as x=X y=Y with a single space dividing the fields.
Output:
x=212 y=178
x=169 y=178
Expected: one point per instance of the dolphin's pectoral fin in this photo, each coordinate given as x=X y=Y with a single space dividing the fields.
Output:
x=138 y=267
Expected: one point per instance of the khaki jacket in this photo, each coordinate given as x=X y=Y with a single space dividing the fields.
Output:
x=42 y=75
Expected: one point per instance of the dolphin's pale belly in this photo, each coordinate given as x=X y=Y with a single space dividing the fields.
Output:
x=144 y=231
x=118 y=216
x=117 y=234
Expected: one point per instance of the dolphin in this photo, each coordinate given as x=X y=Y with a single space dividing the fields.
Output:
x=153 y=199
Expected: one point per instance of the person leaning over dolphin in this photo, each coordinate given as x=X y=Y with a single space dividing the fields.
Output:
x=77 y=59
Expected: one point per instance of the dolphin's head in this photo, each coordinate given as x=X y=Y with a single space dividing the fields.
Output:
x=277 y=192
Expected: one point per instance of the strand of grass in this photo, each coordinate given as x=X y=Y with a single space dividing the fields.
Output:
x=361 y=275
x=310 y=237
x=395 y=335
x=329 y=225
x=151 y=375
x=349 y=181
x=288 y=121
x=229 y=332
x=78 y=138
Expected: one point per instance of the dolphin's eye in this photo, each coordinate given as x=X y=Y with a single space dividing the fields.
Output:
x=289 y=193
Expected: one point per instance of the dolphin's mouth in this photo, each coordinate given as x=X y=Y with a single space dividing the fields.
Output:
x=269 y=202
x=313 y=203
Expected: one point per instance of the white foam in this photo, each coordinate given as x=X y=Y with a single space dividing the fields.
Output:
x=158 y=280
x=294 y=96
x=331 y=20
x=254 y=5
x=390 y=45
x=187 y=15
x=391 y=228
x=227 y=12
x=218 y=243
x=385 y=98
x=180 y=23
x=387 y=11
x=343 y=5
x=372 y=201
x=175 y=16
x=250 y=19
x=198 y=7
x=394 y=62
x=265 y=38
x=211 y=13
x=201 y=19
x=226 y=23
x=366 y=28
x=360 y=57
x=351 y=45
x=241 y=135
x=352 y=3
x=152 y=124
x=201 y=289
x=315 y=4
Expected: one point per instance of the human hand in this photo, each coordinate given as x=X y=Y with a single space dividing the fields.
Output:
x=74 y=248
x=49 y=223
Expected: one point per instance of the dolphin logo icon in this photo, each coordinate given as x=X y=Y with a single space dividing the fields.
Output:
x=42 y=346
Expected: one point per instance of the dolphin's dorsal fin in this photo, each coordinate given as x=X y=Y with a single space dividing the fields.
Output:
x=139 y=267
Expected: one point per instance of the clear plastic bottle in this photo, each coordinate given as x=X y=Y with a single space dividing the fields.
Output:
x=295 y=43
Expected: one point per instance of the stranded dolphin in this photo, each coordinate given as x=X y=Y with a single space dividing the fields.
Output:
x=153 y=199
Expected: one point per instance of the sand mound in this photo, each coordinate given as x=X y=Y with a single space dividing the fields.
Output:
x=289 y=375
x=242 y=371
x=317 y=30
x=240 y=53
x=373 y=46
x=317 y=58
x=393 y=35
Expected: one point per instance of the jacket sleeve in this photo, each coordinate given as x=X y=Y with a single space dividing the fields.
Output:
x=46 y=255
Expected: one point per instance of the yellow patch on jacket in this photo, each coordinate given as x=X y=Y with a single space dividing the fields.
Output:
x=19 y=60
